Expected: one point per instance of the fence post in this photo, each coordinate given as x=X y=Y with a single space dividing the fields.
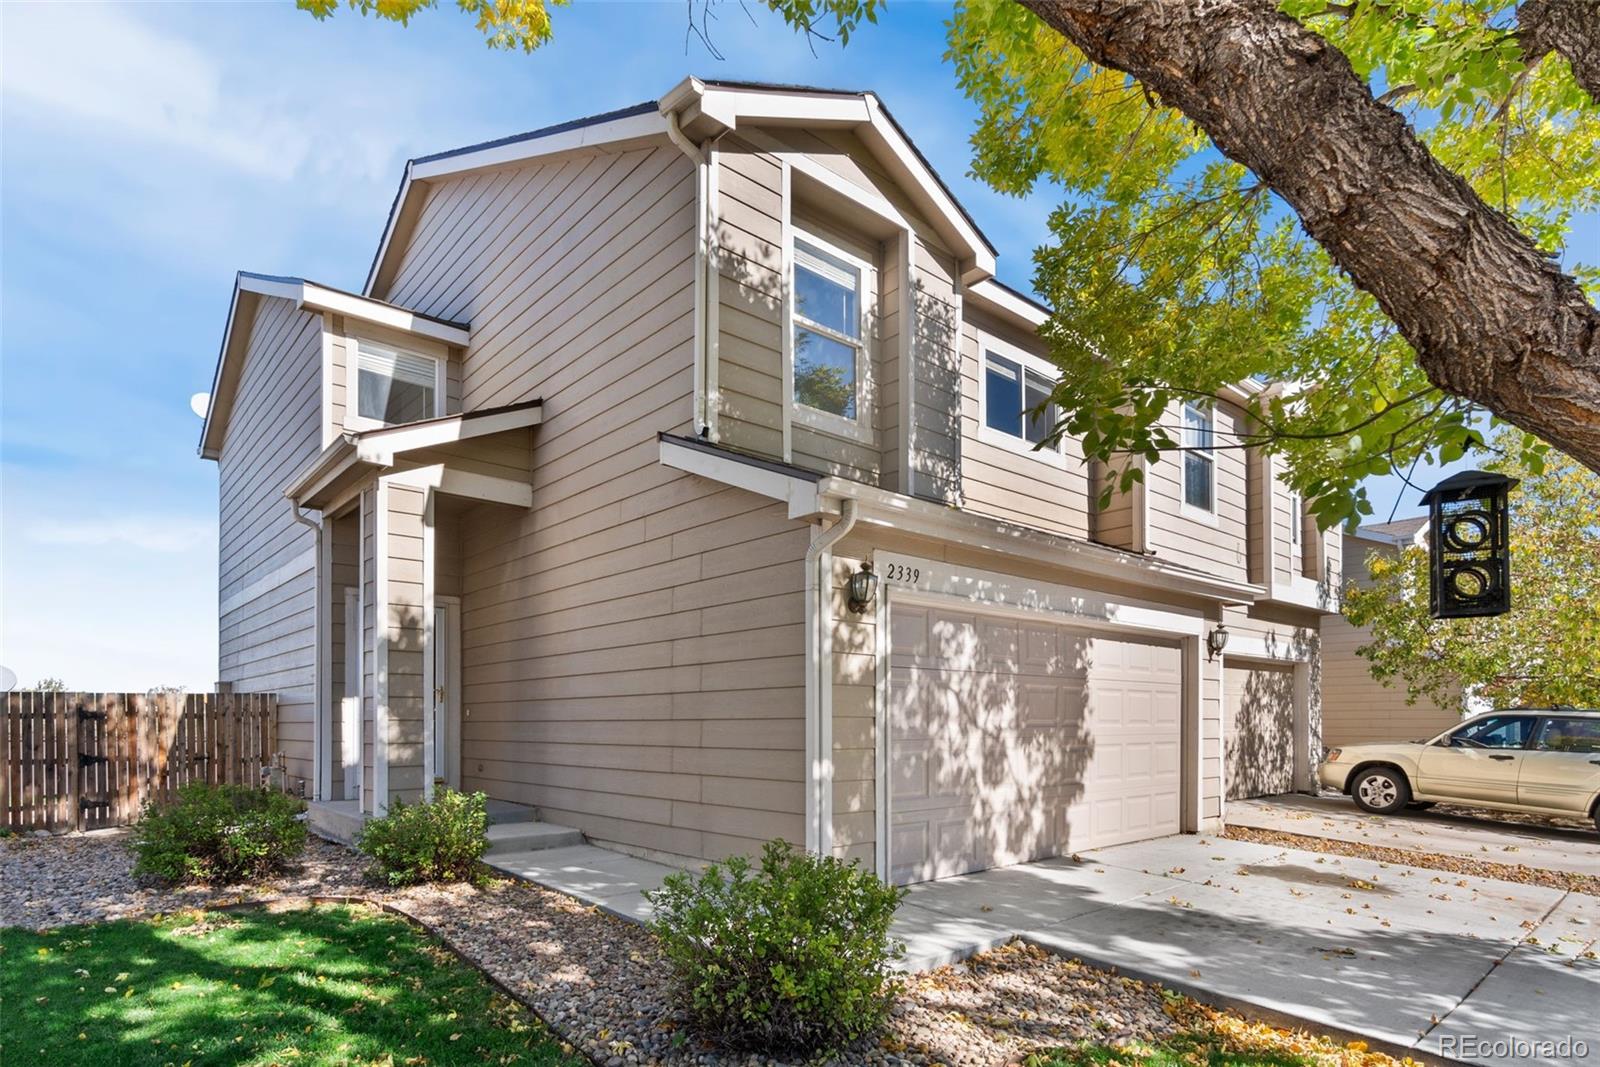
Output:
x=74 y=772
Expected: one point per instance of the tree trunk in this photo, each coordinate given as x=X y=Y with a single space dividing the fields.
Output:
x=1492 y=318
x=1569 y=28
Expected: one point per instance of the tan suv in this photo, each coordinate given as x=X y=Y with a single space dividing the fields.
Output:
x=1542 y=760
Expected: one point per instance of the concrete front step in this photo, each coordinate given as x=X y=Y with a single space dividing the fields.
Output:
x=504 y=811
x=518 y=837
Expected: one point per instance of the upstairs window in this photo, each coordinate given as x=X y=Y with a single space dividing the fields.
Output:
x=1016 y=399
x=1297 y=519
x=829 y=353
x=393 y=386
x=1199 y=460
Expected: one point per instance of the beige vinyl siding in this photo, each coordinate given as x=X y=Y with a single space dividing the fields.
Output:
x=749 y=248
x=1286 y=555
x=267 y=561
x=855 y=680
x=1027 y=489
x=934 y=459
x=338 y=375
x=405 y=629
x=1356 y=707
x=601 y=680
x=1217 y=547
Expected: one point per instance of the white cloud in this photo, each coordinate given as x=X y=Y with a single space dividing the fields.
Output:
x=100 y=67
x=147 y=533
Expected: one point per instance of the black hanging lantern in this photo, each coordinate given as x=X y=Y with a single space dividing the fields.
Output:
x=1469 y=545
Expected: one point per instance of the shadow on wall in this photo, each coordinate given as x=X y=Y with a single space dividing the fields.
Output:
x=990 y=745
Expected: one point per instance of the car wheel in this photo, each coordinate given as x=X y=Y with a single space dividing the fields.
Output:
x=1381 y=790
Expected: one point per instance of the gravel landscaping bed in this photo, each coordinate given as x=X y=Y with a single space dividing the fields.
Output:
x=1505 y=872
x=601 y=983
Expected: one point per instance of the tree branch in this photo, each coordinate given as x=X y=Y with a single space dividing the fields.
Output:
x=1569 y=28
x=1493 y=319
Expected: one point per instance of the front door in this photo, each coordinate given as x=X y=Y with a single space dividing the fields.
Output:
x=1478 y=761
x=446 y=659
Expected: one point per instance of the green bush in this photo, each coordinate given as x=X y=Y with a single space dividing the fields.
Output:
x=789 y=956
x=440 y=840
x=219 y=834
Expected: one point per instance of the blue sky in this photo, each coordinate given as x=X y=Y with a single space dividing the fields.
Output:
x=151 y=150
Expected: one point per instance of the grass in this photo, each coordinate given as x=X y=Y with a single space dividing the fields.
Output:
x=328 y=985
x=1178 y=1050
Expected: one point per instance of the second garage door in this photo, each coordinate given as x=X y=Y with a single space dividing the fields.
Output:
x=1258 y=728
x=1012 y=741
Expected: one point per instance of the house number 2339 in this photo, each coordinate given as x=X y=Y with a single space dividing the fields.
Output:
x=899 y=572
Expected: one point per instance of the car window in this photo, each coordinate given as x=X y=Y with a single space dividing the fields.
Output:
x=1568 y=735
x=1497 y=731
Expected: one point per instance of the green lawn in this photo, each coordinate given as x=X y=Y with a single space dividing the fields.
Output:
x=1180 y=1050
x=330 y=985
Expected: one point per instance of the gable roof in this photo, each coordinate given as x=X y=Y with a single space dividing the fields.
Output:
x=248 y=290
x=1398 y=532
x=704 y=109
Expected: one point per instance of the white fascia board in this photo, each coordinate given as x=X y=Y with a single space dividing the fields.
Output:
x=378 y=313
x=938 y=580
x=381 y=446
x=799 y=493
x=759 y=107
x=627 y=128
x=997 y=299
x=923 y=182
x=897 y=511
x=451 y=482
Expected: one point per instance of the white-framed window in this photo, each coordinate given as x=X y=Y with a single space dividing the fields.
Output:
x=1199 y=458
x=389 y=385
x=1297 y=519
x=1013 y=400
x=829 y=338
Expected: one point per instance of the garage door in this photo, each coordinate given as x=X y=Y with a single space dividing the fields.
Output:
x=1012 y=741
x=1258 y=726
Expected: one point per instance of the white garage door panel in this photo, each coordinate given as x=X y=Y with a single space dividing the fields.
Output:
x=1012 y=741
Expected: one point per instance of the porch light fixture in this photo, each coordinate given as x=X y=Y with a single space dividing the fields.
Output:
x=1217 y=640
x=1469 y=545
x=863 y=589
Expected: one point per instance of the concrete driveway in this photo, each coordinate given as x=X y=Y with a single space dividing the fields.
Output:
x=1415 y=958
x=1567 y=846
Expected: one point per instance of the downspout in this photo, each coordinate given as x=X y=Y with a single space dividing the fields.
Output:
x=319 y=659
x=702 y=241
x=819 y=679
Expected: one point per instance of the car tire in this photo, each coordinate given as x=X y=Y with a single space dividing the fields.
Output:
x=1380 y=790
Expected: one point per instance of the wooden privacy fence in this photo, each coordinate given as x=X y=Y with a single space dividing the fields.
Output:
x=85 y=761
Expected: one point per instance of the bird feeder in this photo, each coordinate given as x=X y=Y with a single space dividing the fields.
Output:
x=1469 y=545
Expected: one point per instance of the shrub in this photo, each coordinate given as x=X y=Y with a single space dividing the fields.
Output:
x=435 y=841
x=219 y=834
x=789 y=956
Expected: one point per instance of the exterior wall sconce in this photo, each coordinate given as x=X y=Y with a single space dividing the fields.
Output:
x=863 y=589
x=1216 y=641
x=1469 y=545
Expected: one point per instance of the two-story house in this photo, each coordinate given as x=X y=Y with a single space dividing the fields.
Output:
x=572 y=505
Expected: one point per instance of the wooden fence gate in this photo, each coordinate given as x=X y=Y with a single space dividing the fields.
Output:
x=85 y=761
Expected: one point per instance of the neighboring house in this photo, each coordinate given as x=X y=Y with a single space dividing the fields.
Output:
x=1356 y=707
x=564 y=507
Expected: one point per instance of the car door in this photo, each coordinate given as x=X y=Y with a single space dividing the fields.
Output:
x=1561 y=769
x=1478 y=761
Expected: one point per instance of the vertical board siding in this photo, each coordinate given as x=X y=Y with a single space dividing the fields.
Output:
x=632 y=656
x=89 y=761
x=267 y=561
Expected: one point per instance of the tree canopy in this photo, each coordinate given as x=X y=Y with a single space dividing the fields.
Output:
x=1361 y=203
x=1546 y=650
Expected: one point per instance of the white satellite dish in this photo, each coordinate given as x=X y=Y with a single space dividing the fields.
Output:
x=8 y=679
x=199 y=403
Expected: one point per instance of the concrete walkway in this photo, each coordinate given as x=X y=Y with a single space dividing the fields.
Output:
x=1483 y=836
x=1349 y=945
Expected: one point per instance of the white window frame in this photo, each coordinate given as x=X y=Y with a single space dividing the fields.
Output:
x=988 y=345
x=353 y=419
x=860 y=428
x=1297 y=520
x=1195 y=511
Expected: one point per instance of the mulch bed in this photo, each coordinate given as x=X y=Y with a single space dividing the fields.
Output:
x=602 y=984
x=1505 y=872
